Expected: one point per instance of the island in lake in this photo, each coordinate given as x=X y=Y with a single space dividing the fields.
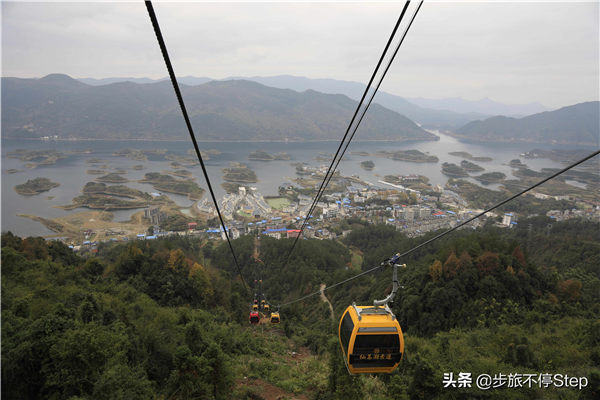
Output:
x=367 y=165
x=115 y=190
x=260 y=155
x=166 y=183
x=468 y=156
x=408 y=155
x=95 y=172
x=453 y=170
x=239 y=173
x=37 y=158
x=112 y=178
x=516 y=163
x=181 y=173
x=490 y=177
x=184 y=160
x=471 y=167
x=116 y=197
x=560 y=155
x=35 y=186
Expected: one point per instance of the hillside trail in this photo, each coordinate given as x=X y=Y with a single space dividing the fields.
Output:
x=325 y=299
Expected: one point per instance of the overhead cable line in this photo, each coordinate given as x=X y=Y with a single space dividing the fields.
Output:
x=449 y=230
x=370 y=100
x=358 y=108
x=165 y=54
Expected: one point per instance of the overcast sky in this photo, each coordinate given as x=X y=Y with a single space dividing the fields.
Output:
x=543 y=52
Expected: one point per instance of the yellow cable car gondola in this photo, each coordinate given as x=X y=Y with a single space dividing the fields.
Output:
x=275 y=319
x=254 y=307
x=370 y=336
x=266 y=307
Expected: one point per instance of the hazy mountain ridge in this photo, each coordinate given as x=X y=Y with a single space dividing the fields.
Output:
x=576 y=124
x=483 y=106
x=437 y=119
x=219 y=110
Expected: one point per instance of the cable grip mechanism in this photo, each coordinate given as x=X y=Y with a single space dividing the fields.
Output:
x=390 y=297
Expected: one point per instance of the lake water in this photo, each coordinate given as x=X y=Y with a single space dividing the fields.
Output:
x=71 y=172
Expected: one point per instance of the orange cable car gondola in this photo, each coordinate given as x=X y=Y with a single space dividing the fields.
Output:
x=370 y=336
x=275 y=319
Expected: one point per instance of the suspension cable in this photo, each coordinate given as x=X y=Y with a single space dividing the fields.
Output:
x=359 y=106
x=165 y=54
x=370 y=100
x=449 y=230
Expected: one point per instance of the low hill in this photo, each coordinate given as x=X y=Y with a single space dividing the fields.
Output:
x=219 y=110
x=576 y=124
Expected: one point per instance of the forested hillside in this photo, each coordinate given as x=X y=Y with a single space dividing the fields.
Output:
x=167 y=319
x=220 y=110
x=576 y=124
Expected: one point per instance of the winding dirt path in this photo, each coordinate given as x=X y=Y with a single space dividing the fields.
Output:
x=325 y=299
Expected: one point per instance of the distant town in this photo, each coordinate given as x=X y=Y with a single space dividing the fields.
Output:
x=399 y=204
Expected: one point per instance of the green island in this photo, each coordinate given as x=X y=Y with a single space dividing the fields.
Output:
x=408 y=155
x=471 y=167
x=13 y=171
x=183 y=160
x=239 y=173
x=104 y=202
x=115 y=190
x=95 y=172
x=206 y=154
x=132 y=154
x=138 y=167
x=516 y=163
x=367 y=165
x=490 y=177
x=260 y=155
x=112 y=178
x=166 y=183
x=37 y=158
x=35 y=186
x=529 y=173
x=97 y=195
x=360 y=153
x=468 y=156
x=182 y=173
x=453 y=170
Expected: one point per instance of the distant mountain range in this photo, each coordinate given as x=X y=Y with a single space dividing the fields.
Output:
x=427 y=117
x=219 y=110
x=576 y=124
x=483 y=106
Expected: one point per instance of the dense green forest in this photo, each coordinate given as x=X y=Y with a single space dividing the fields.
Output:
x=167 y=319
